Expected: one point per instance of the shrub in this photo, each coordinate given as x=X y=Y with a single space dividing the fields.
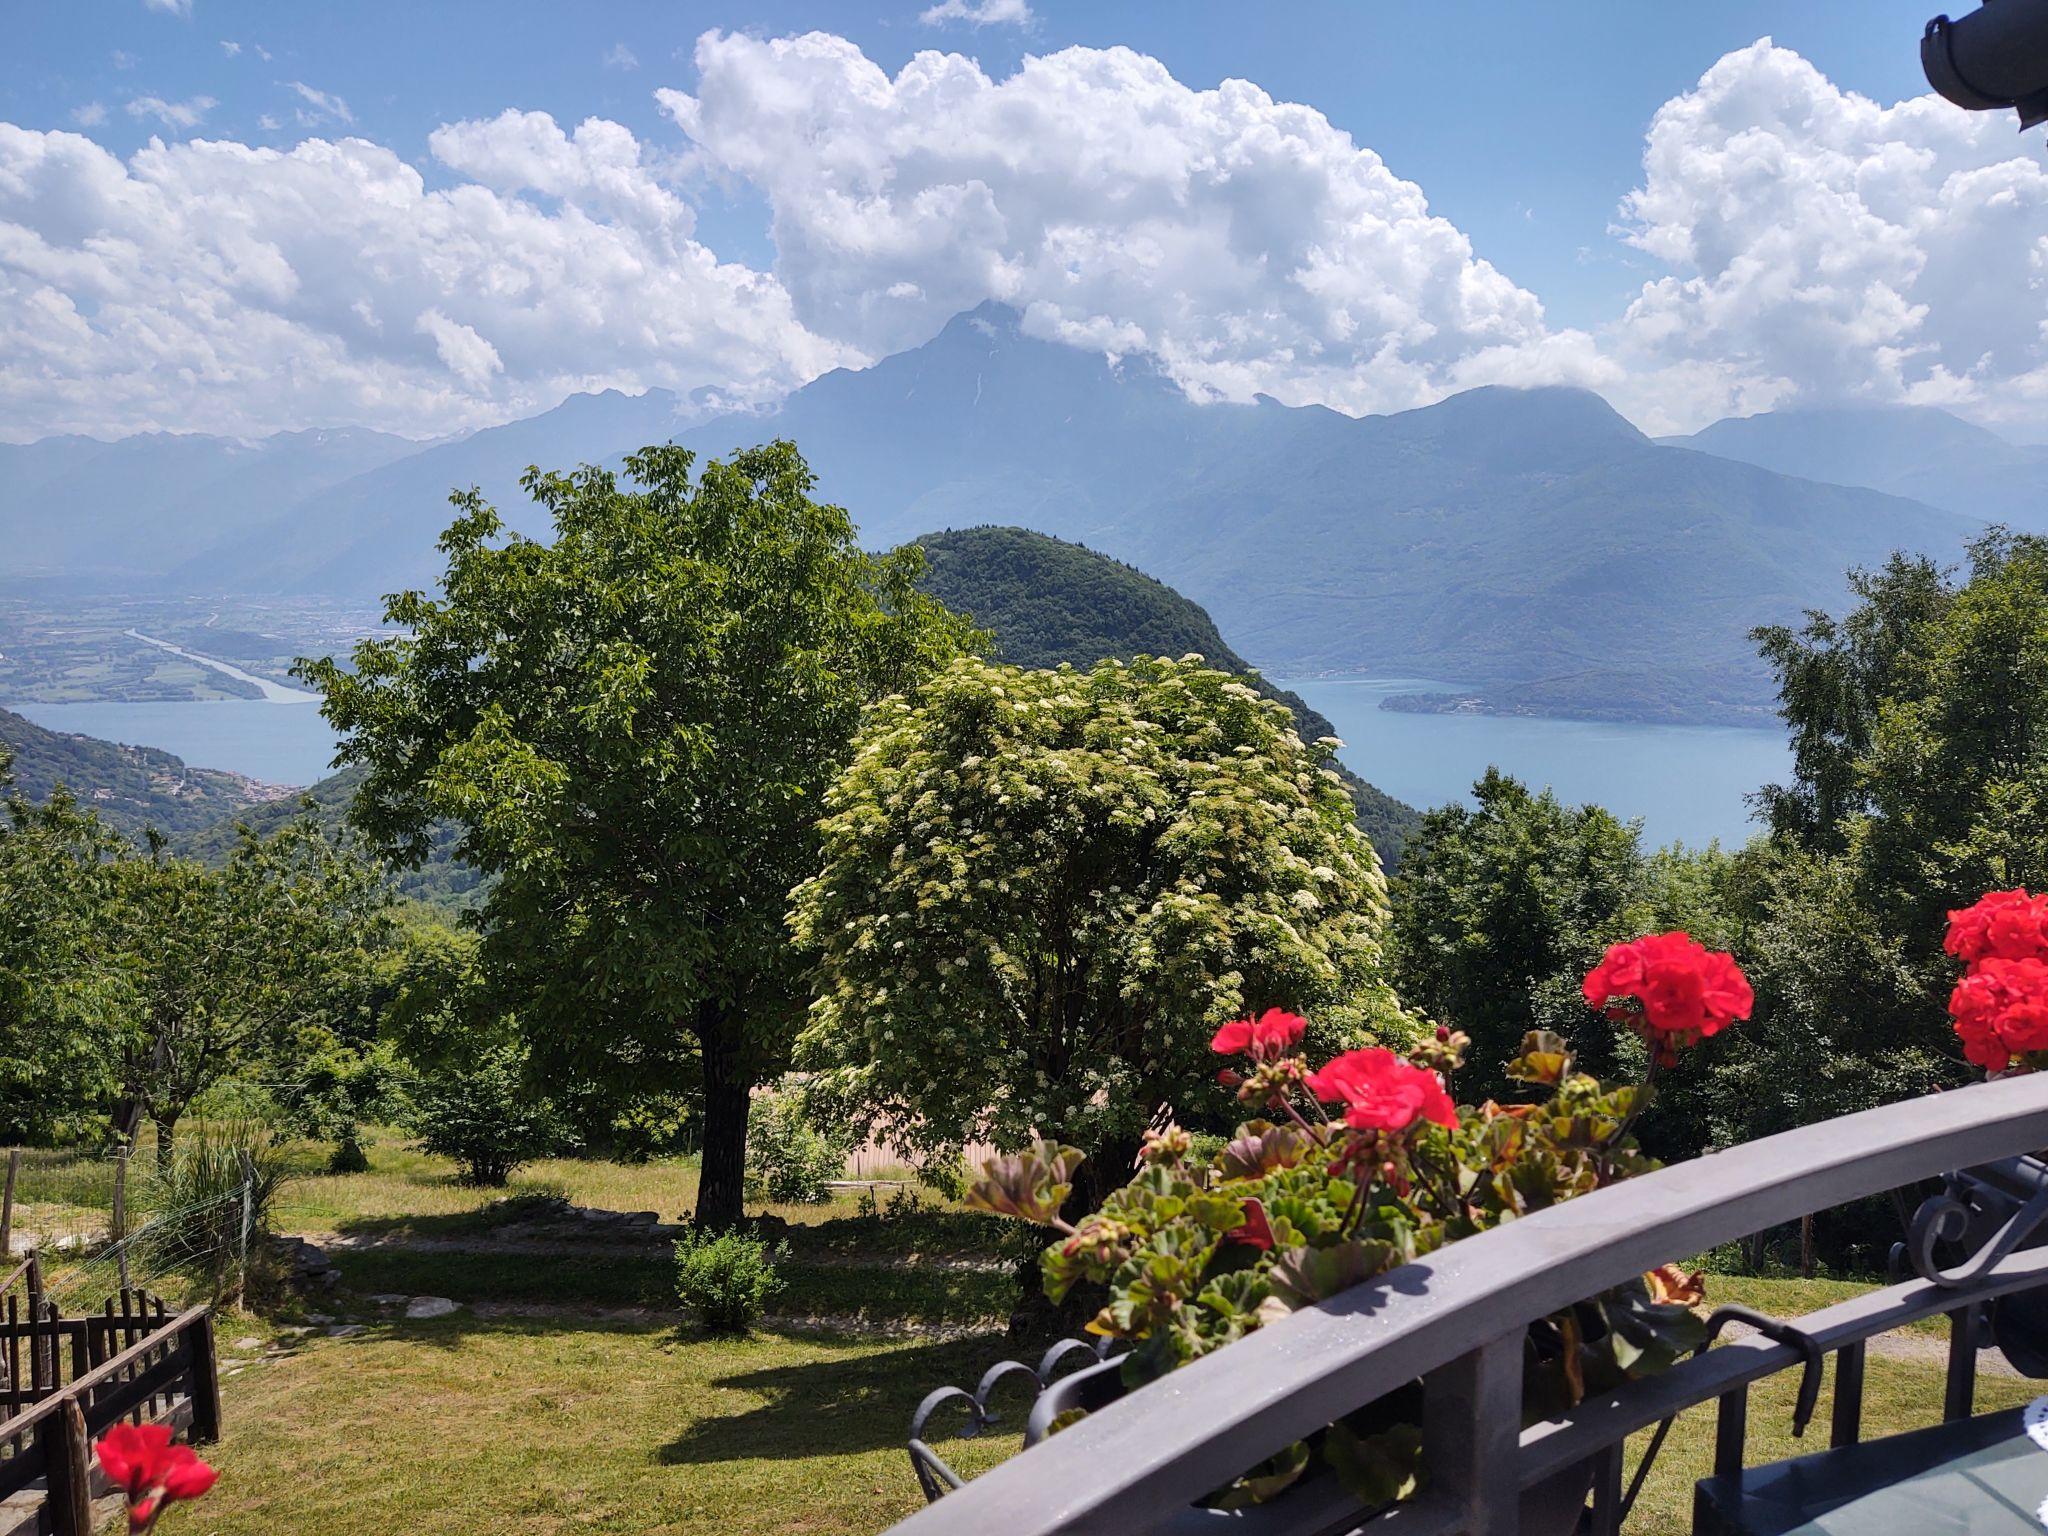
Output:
x=789 y=1159
x=1304 y=1203
x=727 y=1279
x=482 y=1114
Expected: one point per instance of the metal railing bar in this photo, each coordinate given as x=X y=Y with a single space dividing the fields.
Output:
x=1959 y=1390
x=1124 y=1468
x=1558 y=1443
x=1846 y=1420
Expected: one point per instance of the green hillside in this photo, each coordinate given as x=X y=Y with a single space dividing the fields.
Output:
x=1048 y=601
x=440 y=882
x=132 y=788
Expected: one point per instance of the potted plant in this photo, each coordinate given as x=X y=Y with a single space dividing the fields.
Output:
x=1347 y=1171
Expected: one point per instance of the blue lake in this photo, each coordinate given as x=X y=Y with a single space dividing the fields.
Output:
x=277 y=743
x=1686 y=782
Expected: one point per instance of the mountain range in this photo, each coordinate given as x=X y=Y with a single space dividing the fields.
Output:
x=1529 y=548
x=1908 y=450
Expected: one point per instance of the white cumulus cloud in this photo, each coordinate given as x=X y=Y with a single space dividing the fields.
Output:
x=169 y=7
x=213 y=286
x=1824 y=247
x=1246 y=242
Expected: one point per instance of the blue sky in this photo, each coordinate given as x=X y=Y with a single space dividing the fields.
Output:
x=1523 y=125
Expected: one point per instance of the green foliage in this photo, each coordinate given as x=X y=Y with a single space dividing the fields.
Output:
x=1501 y=908
x=1919 y=723
x=209 y=1205
x=727 y=1278
x=483 y=1113
x=1043 y=891
x=1046 y=601
x=440 y=881
x=632 y=729
x=57 y=1010
x=790 y=1157
x=258 y=966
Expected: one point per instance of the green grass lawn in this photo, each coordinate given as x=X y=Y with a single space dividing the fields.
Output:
x=534 y=1427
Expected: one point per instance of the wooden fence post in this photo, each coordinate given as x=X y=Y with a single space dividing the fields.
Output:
x=70 y=1472
x=120 y=1232
x=7 y=1205
x=205 y=1371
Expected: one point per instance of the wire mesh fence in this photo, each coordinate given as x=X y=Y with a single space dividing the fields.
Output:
x=98 y=1228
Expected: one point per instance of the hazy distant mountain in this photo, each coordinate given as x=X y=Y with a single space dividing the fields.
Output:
x=132 y=788
x=127 y=512
x=1047 y=601
x=1909 y=450
x=1531 y=546
x=375 y=533
x=1526 y=544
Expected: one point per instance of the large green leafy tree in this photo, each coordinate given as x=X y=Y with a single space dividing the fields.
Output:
x=56 y=1061
x=1043 y=891
x=632 y=729
x=251 y=968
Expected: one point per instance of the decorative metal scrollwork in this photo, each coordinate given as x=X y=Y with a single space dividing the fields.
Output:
x=933 y=1475
x=1966 y=1204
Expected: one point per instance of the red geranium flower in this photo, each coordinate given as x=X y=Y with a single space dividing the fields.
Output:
x=1686 y=990
x=1381 y=1092
x=142 y=1461
x=2007 y=925
x=1266 y=1038
x=1256 y=1232
x=2001 y=1010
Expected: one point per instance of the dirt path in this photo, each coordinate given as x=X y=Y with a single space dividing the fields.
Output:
x=400 y=1242
x=1914 y=1348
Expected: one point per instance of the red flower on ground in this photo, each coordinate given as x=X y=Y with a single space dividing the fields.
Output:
x=1267 y=1038
x=1686 y=990
x=2006 y=925
x=152 y=1471
x=1381 y=1092
x=2001 y=1010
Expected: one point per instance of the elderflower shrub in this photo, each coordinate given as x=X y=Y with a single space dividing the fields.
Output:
x=1043 y=890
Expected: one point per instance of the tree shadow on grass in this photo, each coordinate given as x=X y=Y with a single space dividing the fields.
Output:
x=853 y=1402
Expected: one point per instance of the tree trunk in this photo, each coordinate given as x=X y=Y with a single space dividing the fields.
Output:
x=721 y=1181
x=166 y=1141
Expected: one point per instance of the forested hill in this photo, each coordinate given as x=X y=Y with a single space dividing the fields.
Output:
x=1048 y=601
x=132 y=788
x=440 y=882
